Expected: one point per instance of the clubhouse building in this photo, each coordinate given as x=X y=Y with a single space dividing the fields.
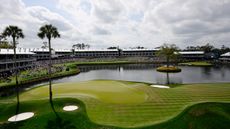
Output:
x=192 y=55
x=225 y=57
x=43 y=54
x=27 y=57
x=24 y=59
x=111 y=53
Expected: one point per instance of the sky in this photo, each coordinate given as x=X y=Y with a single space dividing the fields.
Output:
x=123 y=23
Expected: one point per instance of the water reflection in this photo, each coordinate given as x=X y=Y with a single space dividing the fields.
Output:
x=168 y=78
x=222 y=73
x=117 y=67
x=206 y=71
x=148 y=73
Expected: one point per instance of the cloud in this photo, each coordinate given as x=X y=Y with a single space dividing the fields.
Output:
x=46 y=16
x=191 y=21
x=100 y=31
x=107 y=11
x=123 y=23
x=30 y=19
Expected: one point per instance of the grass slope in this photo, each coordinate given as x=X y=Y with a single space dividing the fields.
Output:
x=199 y=116
x=105 y=105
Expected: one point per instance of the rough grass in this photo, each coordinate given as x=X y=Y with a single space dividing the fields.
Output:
x=159 y=106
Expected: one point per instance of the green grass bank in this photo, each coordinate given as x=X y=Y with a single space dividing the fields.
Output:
x=28 y=77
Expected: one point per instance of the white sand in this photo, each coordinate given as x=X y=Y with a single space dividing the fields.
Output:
x=21 y=116
x=70 y=108
x=159 y=86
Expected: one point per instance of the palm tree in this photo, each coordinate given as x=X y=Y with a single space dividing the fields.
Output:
x=49 y=31
x=168 y=51
x=15 y=33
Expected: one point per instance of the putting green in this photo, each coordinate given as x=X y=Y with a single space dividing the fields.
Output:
x=130 y=104
x=112 y=92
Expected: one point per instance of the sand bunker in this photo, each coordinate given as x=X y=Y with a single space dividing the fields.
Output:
x=70 y=108
x=21 y=116
x=159 y=86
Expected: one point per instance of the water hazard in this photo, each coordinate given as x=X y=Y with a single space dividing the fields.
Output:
x=148 y=73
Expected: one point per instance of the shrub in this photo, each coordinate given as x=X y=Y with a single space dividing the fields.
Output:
x=73 y=66
x=172 y=69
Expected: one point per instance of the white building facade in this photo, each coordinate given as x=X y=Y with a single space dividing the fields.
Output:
x=24 y=59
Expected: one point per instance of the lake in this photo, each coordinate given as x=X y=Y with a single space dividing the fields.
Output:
x=148 y=73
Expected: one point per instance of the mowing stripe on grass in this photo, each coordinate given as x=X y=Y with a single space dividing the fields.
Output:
x=123 y=104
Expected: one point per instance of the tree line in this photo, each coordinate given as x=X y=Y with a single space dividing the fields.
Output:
x=80 y=46
x=208 y=48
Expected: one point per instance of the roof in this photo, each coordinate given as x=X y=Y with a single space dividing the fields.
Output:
x=62 y=50
x=191 y=52
x=91 y=50
x=47 y=50
x=19 y=51
x=226 y=54
x=38 y=50
x=94 y=50
x=140 y=49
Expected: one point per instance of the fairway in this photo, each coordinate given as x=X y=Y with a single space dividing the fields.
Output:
x=132 y=104
x=112 y=92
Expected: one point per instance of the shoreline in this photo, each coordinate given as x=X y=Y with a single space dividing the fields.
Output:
x=73 y=71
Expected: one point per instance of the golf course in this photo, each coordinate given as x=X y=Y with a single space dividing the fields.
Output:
x=110 y=104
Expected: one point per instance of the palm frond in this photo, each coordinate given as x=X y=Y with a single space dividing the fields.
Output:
x=13 y=31
x=48 y=31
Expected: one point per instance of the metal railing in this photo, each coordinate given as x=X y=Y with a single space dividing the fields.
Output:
x=5 y=61
x=19 y=67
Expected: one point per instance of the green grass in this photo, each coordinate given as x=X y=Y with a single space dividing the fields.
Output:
x=199 y=116
x=105 y=91
x=201 y=63
x=111 y=104
x=101 y=63
x=45 y=117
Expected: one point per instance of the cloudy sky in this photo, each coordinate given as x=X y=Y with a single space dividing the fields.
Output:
x=124 y=23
